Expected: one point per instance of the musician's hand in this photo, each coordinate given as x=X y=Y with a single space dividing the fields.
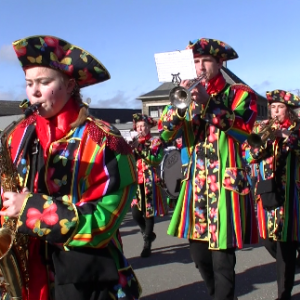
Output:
x=135 y=143
x=185 y=83
x=13 y=203
x=264 y=122
x=282 y=133
x=199 y=94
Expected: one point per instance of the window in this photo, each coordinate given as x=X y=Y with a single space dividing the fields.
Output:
x=258 y=110
x=156 y=111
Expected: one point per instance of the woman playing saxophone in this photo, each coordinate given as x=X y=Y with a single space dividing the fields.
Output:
x=77 y=176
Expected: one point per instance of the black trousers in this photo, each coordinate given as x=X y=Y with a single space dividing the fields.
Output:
x=285 y=255
x=81 y=291
x=146 y=224
x=216 y=268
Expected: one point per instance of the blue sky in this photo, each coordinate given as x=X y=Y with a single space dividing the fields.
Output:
x=125 y=35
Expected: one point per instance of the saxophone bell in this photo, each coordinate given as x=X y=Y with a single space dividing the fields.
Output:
x=13 y=281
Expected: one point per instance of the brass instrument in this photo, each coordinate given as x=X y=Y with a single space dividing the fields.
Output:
x=257 y=140
x=180 y=97
x=135 y=137
x=13 y=245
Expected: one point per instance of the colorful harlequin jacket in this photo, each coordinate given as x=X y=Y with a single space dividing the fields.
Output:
x=81 y=184
x=279 y=159
x=149 y=154
x=215 y=203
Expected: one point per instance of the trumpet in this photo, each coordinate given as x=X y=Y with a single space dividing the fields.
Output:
x=180 y=97
x=257 y=140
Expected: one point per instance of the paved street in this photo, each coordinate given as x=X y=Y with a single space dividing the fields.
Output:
x=170 y=274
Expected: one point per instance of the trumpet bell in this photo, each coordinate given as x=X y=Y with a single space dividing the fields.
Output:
x=180 y=97
x=254 y=140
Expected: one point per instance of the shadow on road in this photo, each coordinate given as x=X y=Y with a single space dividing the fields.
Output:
x=246 y=281
x=129 y=232
x=192 y=291
x=244 y=285
x=128 y=220
x=160 y=256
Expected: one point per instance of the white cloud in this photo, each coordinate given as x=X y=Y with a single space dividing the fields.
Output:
x=120 y=100
x=7 y=54
x=261 y=87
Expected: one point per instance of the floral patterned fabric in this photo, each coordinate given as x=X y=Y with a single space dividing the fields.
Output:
x=53 y=52
x=215 y=48
x=279 y=159
x=284 y=97
x=215 y=203
x=149 y=155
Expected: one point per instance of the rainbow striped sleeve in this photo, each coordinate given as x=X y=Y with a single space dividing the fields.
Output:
x=109 y=189
x=233 y=111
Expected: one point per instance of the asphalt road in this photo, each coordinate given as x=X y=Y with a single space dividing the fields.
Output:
x=170 y=274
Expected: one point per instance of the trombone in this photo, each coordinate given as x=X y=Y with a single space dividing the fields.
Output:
x=256 y=140
x=180 y=97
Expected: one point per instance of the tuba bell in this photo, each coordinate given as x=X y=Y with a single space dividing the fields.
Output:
x=256 y=140
x=180 y=97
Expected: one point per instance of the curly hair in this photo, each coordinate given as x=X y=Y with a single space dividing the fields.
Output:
x=83 y=112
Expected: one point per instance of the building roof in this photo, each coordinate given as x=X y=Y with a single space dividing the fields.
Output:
x=159 y=93
x=111 y=115
x=10 y=108
x=114 y=115
x=162 y=92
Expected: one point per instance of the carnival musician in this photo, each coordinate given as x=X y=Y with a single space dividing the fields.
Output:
x=277 y=189
x=214 y=209
x=76 y=180
x=148 y=201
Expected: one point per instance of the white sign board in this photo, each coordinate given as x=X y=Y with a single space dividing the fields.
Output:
x=168 y=63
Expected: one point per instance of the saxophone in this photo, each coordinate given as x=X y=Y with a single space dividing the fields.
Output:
x=13 y=245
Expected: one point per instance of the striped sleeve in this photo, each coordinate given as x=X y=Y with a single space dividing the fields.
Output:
x=233 y=112
x=109 y=189
x=91 y=216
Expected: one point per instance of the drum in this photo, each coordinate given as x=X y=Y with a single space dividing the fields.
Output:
x=170 y=173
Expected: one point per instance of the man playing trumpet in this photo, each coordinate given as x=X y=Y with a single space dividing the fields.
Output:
x=214 y=209
x=277 y=189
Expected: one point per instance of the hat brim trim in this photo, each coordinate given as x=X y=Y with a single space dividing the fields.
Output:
x=74 y=46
